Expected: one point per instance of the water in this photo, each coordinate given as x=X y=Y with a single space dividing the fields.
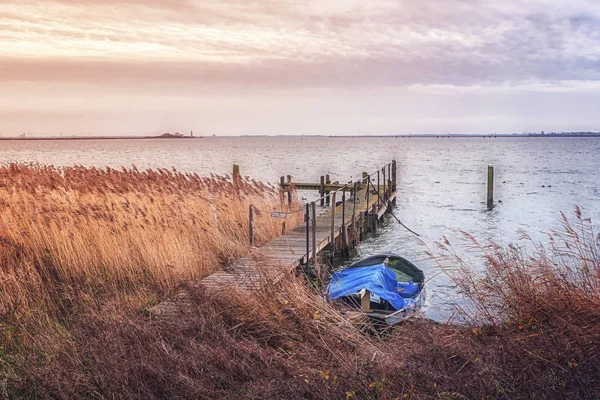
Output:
x=441 y=182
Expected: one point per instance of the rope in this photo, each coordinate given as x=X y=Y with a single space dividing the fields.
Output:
x=393 y=215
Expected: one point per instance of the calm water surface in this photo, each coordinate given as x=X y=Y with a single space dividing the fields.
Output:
x=441 y=182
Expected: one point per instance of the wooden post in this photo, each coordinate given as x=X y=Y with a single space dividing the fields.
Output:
x=354 y=216
x=394 y=176
x=365 y=177
x=374 y=216
x=322 y=191
x=490 y=187
x=384 y=185
x=367 y=208
x=344 y=221
x=314 y=230
x=365 y=301
x=328 y=181
x=378 y=191
x=332 y=238
x=389 y=179
x=282 y=184
x=251 y=225
x=236 y=170
x=289 y=189
x=307 y=218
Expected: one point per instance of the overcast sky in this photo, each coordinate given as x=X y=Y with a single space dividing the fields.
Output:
x=299 y=67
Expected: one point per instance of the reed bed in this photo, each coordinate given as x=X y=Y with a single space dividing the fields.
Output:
x=530 y=330
x=75 y=236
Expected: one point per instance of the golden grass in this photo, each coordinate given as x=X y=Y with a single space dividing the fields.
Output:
x=68 y=234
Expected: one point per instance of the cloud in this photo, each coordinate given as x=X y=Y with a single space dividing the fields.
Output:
x=310 y=43
x=424 y=52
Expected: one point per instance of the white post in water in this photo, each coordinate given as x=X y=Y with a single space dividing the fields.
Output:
x=490 y=187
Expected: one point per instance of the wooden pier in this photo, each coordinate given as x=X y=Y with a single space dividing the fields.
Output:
x=356 y=209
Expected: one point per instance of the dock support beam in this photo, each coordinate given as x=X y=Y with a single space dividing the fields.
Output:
x=251 y=224
x=307 y=218
x=332 y=238
x=289 y=181
x=490 y=187
x=328 y=198
x=314 y=230
x=322 y=190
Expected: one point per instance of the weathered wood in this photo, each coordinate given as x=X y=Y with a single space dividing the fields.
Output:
x=327 y=181
x=332 y=237
x=490 y=187
x=251 y=224
x=374 y=217
x=365 y=301
x=317 y=186
x=236 y=170
x=314 y=230
x=322 y=191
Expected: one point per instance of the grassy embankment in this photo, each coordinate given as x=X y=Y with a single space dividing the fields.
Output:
x=85 y=252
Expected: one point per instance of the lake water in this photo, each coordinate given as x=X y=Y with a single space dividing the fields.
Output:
x=441 y=181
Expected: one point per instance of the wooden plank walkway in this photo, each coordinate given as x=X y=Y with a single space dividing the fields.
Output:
x=274 y=260
x=288 y=251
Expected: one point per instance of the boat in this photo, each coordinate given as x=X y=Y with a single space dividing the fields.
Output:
x=384 y=287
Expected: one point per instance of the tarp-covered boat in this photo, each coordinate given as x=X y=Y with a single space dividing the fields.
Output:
x=385 y=287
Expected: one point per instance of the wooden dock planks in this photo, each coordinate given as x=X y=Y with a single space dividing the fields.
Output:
x=275 y=259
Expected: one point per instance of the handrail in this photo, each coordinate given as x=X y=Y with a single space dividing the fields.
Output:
x=347 y=185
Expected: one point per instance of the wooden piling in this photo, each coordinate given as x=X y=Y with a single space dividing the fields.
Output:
x=314 y=230
x=384 y=185
x=344 y=221
x=251 y=224
x=322 y=191
x=378 y=191
x=307 y=218
x=394 y=175
x=374 y=217
x=332 y=238
x=490 y=187
x=236 y=170
x=328 y=181
x=283 y=189
x=289 y=190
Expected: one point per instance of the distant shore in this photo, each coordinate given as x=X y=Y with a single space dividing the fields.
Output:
x=408 y=136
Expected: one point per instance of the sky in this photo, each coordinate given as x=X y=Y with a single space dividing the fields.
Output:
x=114 y=67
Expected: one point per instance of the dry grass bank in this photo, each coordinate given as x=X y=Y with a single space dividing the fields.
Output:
x=532 y=332
x=78 y=239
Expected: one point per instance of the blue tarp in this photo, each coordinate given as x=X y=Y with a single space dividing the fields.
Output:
x=377 y=279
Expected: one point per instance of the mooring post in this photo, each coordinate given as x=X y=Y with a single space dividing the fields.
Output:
x=251 y=224
x=328 y=181
x=394 y=176
x=367 y=208
x=307 y=218
x=314 y=230
x=384 y=185
x=289 y=189
x=490 y=187
x=332 y=238
x=322 y=191
x=354 y=215
x=389 y=179
x=344 y=221
x=378 y=191
x=374 y=217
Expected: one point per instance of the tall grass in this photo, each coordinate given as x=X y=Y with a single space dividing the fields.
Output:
x=75 y=236
x=531 y=330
